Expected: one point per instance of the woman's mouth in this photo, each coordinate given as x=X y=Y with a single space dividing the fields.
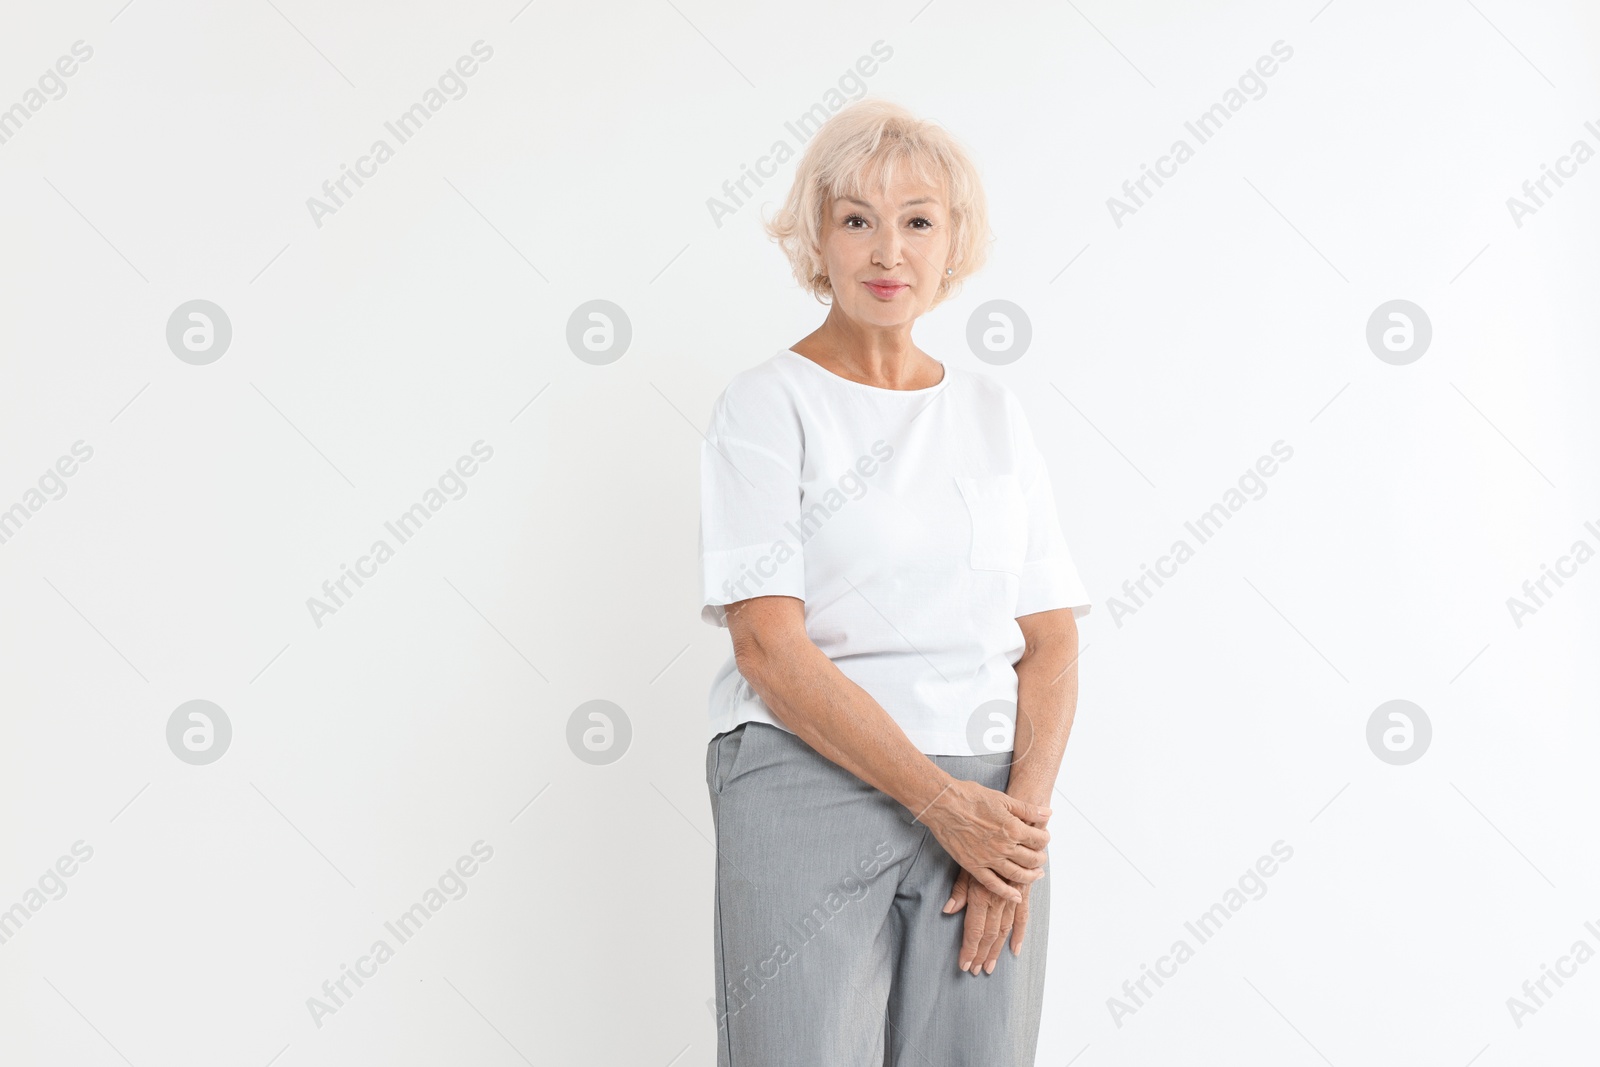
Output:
x=886 y=289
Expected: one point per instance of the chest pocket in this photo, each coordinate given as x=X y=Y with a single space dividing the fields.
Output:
x=999 y=515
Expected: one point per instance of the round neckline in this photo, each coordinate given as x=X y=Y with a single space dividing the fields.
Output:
x=925 y=390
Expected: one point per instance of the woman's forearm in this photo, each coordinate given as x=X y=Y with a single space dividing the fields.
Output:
x=841 y=721
x=1047 y=697
x=996 y=837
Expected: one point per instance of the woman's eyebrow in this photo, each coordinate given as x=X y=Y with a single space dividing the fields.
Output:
x=908 y=203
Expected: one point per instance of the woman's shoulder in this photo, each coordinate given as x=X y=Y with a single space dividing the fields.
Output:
x=757 y=395
x=766 y=383
x=982 y=388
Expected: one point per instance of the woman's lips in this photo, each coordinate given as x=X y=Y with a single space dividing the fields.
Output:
x=887 y=290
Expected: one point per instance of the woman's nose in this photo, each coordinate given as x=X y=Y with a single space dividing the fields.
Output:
x=887 y=250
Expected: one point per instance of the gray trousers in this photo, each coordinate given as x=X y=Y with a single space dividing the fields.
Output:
x=831 y=946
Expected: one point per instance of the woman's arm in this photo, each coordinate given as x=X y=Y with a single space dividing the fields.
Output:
x=1047 y=697
x=994 y=836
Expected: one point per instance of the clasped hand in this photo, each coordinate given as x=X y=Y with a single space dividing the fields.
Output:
x=999 y=842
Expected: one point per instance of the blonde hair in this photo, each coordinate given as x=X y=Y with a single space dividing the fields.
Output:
x=872 y=142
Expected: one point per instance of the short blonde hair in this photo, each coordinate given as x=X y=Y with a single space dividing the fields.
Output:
x=871 y=142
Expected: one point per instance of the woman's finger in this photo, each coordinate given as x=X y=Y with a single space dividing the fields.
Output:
x=1020 y=875
x=1007 y=920
x=1023 y=856
x=997 y=885
x=990 y=935
x=1037 y=814
x=1034 y=837
x=991 y=954
x=1021 y=927
x=978 y=905
x=958 y=894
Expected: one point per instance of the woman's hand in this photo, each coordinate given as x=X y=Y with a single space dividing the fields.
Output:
x=996 y=838
x=987 y=922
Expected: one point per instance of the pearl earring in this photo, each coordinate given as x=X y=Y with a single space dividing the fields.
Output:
x=949 y=270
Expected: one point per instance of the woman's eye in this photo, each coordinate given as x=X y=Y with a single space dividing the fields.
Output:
x=850 y=220
x=921 y=223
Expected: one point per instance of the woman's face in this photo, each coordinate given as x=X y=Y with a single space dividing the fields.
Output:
x=885 y=252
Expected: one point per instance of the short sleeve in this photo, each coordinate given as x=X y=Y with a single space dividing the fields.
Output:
x=1049 y=577
x=750 y=464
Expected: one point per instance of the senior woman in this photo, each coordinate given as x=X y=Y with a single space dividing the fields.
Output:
x=879 y=536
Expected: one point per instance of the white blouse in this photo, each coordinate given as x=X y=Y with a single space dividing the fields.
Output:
x=916 y=524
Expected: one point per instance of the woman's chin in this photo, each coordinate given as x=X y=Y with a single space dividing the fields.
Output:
x=883 y=314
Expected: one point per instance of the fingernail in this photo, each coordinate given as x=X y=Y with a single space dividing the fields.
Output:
x=965 y=964
x=989 y=969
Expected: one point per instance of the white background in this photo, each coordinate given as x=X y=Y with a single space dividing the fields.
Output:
x=427 y=313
